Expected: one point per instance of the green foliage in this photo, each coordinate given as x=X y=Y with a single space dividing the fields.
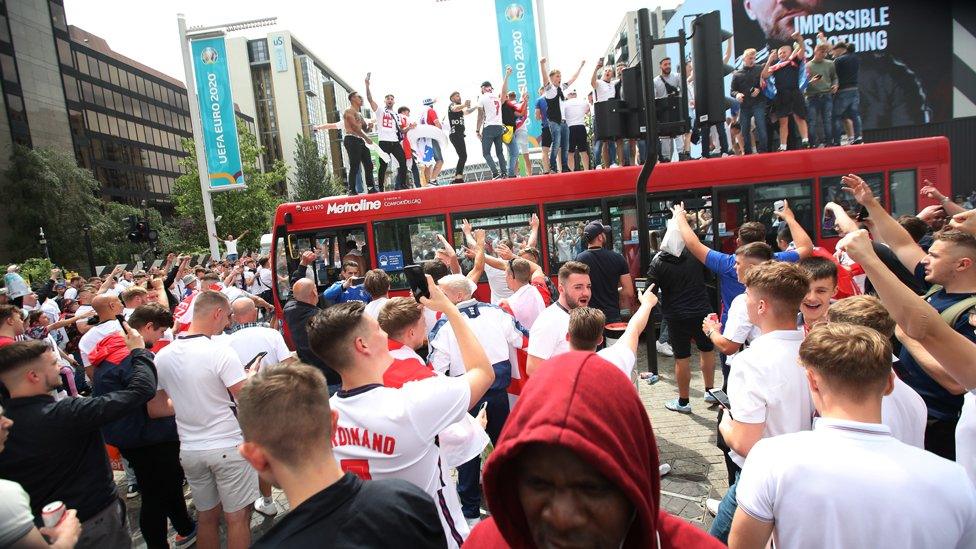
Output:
x=36 y=270
x=110 y=231
x=249 y=209
x=312 y=179
x=45 y=188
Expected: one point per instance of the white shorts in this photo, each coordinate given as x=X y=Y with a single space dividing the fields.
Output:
x=219 y=476
x=522 y=140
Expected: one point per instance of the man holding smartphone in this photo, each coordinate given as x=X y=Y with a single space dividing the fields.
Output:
x=349 y=288
x=821 y=87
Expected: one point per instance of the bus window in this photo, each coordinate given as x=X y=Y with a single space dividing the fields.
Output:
x=799 y=194
x=331 y=247
x=403 y=242
x=282 y=270
x=832 y=190
x=731 y=213
x=511 y=225
x=623 y=233
x=903 y=192
x=564 y=224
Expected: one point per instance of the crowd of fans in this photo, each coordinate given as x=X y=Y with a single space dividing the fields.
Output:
x=847 y=383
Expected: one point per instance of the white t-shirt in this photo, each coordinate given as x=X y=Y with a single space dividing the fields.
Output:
x=604 y=90
x=620 y=356
x=374 y=306
x=565 y=247
x=966 y=436
x=97 y=333
x=386 y=124
x=82 y=309
x=492 y=106
x=196 y=373
x=526 y=304
x=768 y=385
x=389 y=433
x=495 y=329
x=737 y=327
x=550 y=333
x=904 y=412
x=852 y=485
x=497 y=284
x=231 y=246
x=16 y=520
x=574 y=111
x=248 y=342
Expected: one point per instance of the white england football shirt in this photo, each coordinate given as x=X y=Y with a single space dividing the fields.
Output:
x=549 y=334
x=374 y=306
x=526 y=304
x=498 y=284
x=492 y=106
x=604 y=90
x=768 y=385
x=867 y=490
x=497 y=331
x=386 y=124
x=904 y=412
x=389 y=433
x=248 y=342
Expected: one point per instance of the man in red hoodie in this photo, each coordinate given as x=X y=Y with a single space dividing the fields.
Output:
x=577 y=464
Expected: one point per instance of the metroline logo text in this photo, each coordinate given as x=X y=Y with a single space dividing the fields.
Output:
x=362 y=206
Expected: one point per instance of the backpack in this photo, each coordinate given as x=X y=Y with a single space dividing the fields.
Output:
x=952 y=313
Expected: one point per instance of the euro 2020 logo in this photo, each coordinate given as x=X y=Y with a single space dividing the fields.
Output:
x=208 y=56
x=514 y=12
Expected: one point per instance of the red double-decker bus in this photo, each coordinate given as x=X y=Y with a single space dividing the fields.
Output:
x=398 y=228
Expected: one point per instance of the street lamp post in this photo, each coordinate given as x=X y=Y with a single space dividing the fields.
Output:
x=43 y=242
x=88 y=249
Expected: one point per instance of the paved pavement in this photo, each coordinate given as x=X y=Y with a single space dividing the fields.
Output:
x=685 y=441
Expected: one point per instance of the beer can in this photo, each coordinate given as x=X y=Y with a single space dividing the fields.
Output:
x=713 y=317
x=52 y=513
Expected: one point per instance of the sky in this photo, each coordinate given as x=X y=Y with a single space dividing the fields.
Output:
x=414 y=48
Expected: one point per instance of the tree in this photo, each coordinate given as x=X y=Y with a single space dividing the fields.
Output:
x=251 y=208
x=312 y=179
x=46 y=188
x=110 y=231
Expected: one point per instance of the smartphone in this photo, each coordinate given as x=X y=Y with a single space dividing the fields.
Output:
x=779 y=205
x=255 y=361
x=417 y=281
x=863 y=214
x=721 y=397
x=829 y=222
x=357 y=280
x=121 y=320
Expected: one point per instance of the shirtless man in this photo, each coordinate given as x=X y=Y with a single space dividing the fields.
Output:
x=354 y=141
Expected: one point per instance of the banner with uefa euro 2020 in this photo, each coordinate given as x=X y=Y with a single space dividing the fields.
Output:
x=517 y=45
x=217 y=114
x=904 y=48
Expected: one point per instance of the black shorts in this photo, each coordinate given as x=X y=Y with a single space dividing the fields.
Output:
x=789 y=102
x=546 y=137
x=577 y=139
x=680 y=333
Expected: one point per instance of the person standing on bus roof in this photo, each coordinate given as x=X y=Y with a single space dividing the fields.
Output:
x=355 y=143
x=350 y=288
x=490 y=120
x=388 y=130
x=455 y=116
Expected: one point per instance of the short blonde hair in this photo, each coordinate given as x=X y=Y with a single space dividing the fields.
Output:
x=863 y=310
x=398 y=314
x=747 y=51
x=554 y=72
x=784 y=284
x=854 y=361
x=458 y=283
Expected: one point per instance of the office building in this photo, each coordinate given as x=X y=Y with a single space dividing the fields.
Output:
x=624 y=46
x=287 y=90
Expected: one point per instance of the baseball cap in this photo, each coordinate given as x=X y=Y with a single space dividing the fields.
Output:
x=486 y=84
x=429 y=101
x=593 y=229
x=189 y=279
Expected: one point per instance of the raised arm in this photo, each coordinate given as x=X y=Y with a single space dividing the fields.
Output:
x=545 y=71
x=479 y=374
x=842 y=222
x=916 y=318
x=888 y=229
x=504 y=94
x=596 y=72
x=803 y=242
x=474 y=275
x=638 y=321
x=950 y=207
x=533 y=239
x=369 y=94
x=576 y=74
x=695 y=246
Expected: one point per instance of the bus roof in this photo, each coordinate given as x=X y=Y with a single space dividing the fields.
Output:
x=780 y=166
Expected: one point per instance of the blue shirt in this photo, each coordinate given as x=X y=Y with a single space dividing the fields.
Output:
x=544 y=107
x=336 y=294
x=723 y=265
x=941 y=404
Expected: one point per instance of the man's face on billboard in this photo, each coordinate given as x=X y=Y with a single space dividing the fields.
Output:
x=775 y=17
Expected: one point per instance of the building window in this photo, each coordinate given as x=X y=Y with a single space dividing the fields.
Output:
x=257 y=51
x=70 y=88
x=58 y=19
x=64 y=52
x=8 y=68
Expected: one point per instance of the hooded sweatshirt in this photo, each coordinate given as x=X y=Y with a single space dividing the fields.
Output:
x=112 y=363
x=582 y=402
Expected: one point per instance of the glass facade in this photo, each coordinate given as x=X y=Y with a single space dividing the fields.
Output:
x=13 y=96
x=127 y=124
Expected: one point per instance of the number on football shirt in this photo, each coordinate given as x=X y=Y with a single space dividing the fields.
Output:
x=358 y=467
